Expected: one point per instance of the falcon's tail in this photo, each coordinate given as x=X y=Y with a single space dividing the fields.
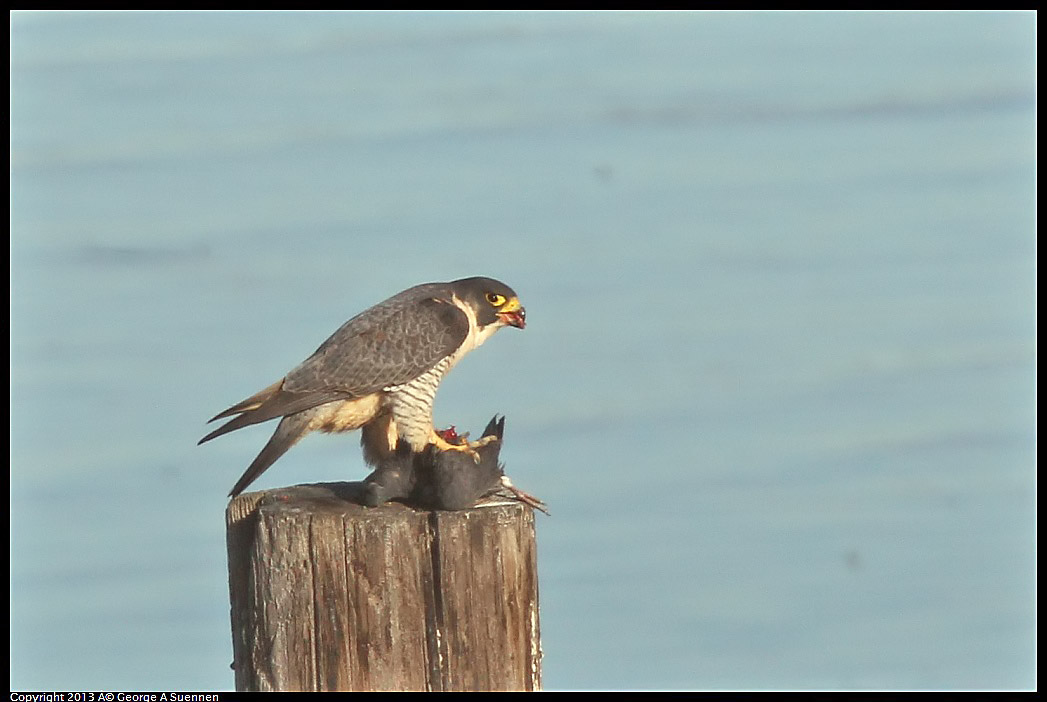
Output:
x=246 y=411
x=288 y=432
x=268 y=404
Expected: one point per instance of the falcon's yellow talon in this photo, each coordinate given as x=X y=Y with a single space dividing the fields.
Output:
x=468 y=447
x=484 y=441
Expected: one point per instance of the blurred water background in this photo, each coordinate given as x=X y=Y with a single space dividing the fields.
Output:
x=778 y=379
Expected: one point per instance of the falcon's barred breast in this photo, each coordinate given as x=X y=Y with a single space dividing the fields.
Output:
x=379 y=372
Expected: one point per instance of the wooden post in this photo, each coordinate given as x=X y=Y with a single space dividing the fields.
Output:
x=330 y=595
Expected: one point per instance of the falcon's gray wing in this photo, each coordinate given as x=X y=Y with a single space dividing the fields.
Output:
x=389 y=344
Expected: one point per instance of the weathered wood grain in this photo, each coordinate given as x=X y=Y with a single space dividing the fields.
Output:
x=330 y=595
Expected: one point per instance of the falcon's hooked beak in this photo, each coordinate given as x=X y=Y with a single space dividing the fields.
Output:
x=513 y=313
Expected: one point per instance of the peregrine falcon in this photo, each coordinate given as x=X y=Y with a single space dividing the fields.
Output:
x=379 y=372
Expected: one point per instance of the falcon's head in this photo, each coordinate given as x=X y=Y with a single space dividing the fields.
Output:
x=492 y=301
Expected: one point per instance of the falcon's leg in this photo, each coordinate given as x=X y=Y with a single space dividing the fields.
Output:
x=469 y=447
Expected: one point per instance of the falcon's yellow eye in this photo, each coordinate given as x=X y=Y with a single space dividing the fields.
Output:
x=496 y=299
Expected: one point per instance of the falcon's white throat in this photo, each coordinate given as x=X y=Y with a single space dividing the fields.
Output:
x=476 y=336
